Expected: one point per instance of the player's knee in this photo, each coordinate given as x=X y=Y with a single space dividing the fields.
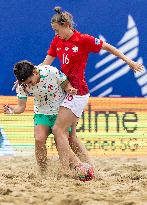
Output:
x=56 y=129
x=40 y=140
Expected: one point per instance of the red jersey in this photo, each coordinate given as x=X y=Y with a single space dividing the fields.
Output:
x=73 y=56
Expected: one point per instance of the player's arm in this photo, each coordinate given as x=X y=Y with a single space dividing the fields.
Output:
x=48 y=60
x=134 y=65
x=17 y=109
x=68 y=88
x=51 y=53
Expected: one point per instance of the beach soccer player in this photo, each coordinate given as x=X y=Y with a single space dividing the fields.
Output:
x=48 y=85
x=72 y=49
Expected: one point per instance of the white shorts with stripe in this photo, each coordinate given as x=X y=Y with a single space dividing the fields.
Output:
x=76 y=103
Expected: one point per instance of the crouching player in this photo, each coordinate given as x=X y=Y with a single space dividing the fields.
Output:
x=48 y=85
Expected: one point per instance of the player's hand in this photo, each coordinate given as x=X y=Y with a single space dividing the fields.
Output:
x=8 y=109
x=135 y=66
x=72 y=91
x=15 y=85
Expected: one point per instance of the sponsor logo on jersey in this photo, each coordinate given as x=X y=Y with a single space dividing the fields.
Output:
x=75 y=49
x=66 y=48
x=97 y=41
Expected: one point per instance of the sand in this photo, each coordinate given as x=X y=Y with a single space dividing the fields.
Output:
x=121 y=181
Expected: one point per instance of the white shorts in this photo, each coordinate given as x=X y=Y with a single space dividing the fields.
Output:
x=76 y=103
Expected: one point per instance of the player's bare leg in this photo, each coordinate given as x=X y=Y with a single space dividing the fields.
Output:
x=78 y=148
x=41 y=133
x=64 y=120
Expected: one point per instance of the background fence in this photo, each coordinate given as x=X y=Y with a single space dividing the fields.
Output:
x=108 y=127
x=25 y=33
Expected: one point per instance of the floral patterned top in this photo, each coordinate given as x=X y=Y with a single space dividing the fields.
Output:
x=48 y=94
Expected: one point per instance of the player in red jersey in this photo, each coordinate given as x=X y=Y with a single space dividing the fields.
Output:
x=72 y=48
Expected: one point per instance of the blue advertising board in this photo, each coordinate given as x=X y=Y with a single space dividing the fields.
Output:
x=25 y=33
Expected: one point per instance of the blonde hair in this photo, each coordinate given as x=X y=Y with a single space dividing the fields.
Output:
x=63 y=18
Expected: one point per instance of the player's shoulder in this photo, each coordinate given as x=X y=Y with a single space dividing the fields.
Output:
x=83 y=37
x=45 y=70
x=45 y=67
x=86 y=36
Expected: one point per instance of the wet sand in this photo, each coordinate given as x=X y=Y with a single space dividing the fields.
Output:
x=121 y=181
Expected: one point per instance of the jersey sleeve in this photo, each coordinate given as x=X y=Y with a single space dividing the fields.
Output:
x=21 y=93
x=91 y=43
x=52 y=50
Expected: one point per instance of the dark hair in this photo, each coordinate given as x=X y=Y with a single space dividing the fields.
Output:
x=62 y=17
x=23 y=70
